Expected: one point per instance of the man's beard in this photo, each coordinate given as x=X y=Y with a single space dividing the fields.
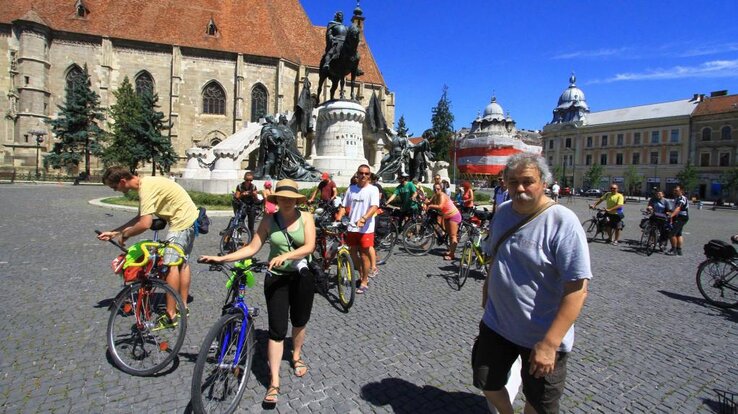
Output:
x=523 y=197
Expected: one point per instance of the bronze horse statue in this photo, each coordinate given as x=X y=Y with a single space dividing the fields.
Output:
x=347 y=62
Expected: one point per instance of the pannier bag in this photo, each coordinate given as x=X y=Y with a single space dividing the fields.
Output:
x=382 y=224
x=718 y=249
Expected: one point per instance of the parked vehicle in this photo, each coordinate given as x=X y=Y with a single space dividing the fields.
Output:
x=593 y=192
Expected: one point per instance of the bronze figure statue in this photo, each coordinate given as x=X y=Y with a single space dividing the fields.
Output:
x=278 y=154
x=341 y=55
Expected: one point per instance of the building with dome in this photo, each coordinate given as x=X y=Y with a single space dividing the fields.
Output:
x=572 y=106
x=216 y=67
x=482 y=150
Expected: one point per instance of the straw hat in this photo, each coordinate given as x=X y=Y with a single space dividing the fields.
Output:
x=286 y=188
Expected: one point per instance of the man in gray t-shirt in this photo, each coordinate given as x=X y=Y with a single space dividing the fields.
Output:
x=534 y=292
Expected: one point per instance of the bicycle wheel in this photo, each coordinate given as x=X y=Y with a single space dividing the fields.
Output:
x=717 y=281
x=219 y=380
x=384 y=245
x=234 y=238
x=137 y=345
x=463 y=235
x=344 y=279
x=652 y=241
x=590 y=227
x=418 y=239
x=465 y=263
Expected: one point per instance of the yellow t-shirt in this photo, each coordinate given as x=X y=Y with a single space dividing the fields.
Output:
x=166 y=199
x=613 y=200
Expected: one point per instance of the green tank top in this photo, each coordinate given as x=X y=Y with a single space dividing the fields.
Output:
x=278 y=243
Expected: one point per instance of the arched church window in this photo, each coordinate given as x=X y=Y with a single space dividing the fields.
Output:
x=725 y=133
x=258 y=102
x=144 y=83
x=213 y=99
x=75 y=77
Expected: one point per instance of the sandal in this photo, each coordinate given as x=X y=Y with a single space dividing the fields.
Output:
x=297 y=365
x=448 y=257
x=272 y=395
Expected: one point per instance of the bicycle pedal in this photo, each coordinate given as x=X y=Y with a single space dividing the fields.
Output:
x=254 y=312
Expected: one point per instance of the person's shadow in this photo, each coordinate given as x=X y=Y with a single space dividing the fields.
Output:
x=405 y=397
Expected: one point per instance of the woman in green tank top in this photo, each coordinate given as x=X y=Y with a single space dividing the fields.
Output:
x=289 y=293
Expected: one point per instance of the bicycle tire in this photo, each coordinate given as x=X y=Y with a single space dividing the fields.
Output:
x=717 y=281
x=344 y=279
x=644 y=235
x=590 y=227
x=652 y=241
x=384 y=245
x=463 y=235
x=234 y=238
x=465 y=264
x=218 y=383
x=137 y=348
x=418 y=239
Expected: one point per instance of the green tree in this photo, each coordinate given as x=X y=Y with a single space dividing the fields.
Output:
x=687 y=178
x=633 y=179
x=126 y=131
x=76 y=127
x=158 y=148
x=443 y=127
x=402 y=130
x=593 y=175
x=729 y=179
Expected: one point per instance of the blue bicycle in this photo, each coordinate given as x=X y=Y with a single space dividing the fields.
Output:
x=223 y=366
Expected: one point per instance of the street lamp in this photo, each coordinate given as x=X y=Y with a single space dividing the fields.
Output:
x=39 y=134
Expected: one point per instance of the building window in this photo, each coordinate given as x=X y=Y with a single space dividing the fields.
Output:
x=705 y=159
x=75 y=77
x=144 y=83
x=706 y=134
x=212 y=29
x=655 y=139
x=589 y=142
x=213 y=99
x=654 y=157
x=673 y=157
x=724 y=159
x=604 y=140
x=636 y=138
x=674 y=136
x=725 y=133
x=620 y=140
x=550 y=160
x=619 y=159
x=567 y=143
x=550 y=144
x=258 y=102
x=80 y=9
x=636 y=158
x=588 y=159
x=603 y=159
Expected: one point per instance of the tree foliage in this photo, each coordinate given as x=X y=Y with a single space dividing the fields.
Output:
x=729 y=179
x=402 y=130
x=687 y=178
x=76 y=127
x=443 y=127
x=593 y=175
x=137 y=131
x=633 y=179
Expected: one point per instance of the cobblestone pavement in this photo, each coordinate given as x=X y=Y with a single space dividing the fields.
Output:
x=646 y=341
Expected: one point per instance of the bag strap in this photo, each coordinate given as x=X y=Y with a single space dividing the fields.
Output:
x=287 y=236
x=522 y=223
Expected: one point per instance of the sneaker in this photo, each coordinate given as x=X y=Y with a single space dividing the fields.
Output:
x=679 y=251
x=179 y=315
x=615 y=243
x=165 y=322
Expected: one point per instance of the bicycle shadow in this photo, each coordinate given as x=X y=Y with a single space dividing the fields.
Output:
x=450 y=275
x=726 y=402
x=172 y=367
x=405 y=397
x=332 y=299
x=730 y=314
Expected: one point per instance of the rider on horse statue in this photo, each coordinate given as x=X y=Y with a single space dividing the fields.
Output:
x=335 y=34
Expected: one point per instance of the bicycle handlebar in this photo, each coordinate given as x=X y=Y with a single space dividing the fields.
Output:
x=113 y=242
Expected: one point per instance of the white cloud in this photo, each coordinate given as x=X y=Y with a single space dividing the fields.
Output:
x=599 y=53
x=704 y=50
x=712 y=69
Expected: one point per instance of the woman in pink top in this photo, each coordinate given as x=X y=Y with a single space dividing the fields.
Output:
x=450 y=215
x=269 y=207
x=467 y=197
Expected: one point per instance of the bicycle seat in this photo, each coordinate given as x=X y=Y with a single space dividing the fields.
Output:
x=158 y=224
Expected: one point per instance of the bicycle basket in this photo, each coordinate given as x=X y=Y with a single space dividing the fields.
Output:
x=718 y=249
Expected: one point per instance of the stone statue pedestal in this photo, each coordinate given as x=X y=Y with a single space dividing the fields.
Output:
x=339 y=146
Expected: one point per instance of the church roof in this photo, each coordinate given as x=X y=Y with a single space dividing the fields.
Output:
x=274 y=28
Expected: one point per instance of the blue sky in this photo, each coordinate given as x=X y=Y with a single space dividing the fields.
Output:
x=624 y=53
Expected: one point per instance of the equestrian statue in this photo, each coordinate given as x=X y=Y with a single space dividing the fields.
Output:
x=341 y=55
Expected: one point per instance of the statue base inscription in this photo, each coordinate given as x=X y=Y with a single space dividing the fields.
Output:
x=339 y=147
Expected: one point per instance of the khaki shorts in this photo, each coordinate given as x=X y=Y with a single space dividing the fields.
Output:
x=185 y=239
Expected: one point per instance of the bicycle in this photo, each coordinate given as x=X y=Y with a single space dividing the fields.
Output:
x=472 y=255
x=237 y=234
x=330 y=245
x=419 y=237
x=717 y=277
x=597 y=225
x=223 y=365
x=653 y=229
x=138 y=340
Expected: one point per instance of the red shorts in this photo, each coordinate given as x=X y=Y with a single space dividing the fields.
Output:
x=363 y=240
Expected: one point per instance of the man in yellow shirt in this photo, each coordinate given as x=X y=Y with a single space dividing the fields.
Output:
x=614 y=202
x=164 y=198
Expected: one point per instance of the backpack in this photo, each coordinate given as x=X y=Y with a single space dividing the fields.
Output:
x=718 y=249
x=202 y=224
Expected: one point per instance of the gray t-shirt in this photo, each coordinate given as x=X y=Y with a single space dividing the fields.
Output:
x=527 y=277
